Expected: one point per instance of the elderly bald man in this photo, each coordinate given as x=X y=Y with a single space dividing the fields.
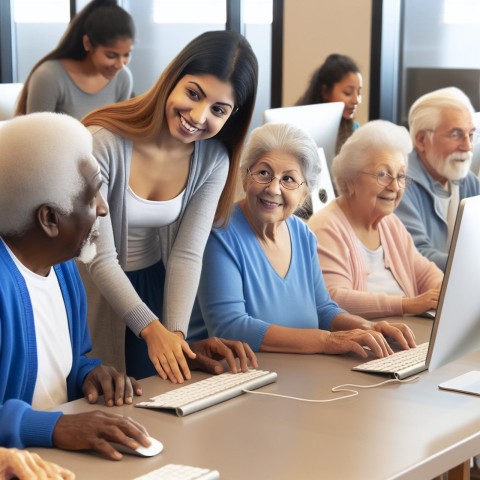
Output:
x=442 y=132
x=50 y=202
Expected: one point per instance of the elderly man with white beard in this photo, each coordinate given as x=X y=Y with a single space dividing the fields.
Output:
x=442 y=131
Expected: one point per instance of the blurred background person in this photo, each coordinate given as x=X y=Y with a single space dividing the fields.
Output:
x=338 y=79
x=88 y=67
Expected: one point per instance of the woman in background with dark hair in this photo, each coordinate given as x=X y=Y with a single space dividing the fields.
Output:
x=87 y=68
x=337 y=80
x=166 y=181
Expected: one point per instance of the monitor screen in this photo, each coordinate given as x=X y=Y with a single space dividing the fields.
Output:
x=320 y=120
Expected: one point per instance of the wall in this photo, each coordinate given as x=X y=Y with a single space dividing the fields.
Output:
x=315 y=28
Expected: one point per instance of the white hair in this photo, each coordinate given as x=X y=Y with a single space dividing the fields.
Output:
x=425 y=112
x=372 y=137
x=40 y=156
x=285 y=138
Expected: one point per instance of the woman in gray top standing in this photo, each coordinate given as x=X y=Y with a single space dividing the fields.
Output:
x=87 y=68
x=169 y=159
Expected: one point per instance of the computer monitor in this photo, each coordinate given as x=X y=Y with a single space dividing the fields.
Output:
x=320 y=120
x=456 y=328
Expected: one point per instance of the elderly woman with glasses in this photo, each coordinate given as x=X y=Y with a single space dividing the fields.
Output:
x=369 y=261
x=261 y=281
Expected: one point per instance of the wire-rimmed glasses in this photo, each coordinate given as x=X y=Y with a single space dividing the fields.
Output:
x=264 y=177
x=384 y=179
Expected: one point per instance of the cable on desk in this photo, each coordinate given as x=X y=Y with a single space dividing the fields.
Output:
x=338 y=388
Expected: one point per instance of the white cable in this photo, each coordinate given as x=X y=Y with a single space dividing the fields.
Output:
x=338 y=388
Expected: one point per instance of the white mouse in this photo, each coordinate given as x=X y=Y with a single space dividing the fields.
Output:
x=154 y=449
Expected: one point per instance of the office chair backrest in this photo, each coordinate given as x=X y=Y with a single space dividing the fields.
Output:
x=9 y=93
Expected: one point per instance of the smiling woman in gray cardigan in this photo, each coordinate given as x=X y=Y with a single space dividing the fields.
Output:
x=166 y=181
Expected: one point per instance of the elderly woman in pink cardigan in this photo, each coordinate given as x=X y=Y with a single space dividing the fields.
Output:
x=369 y=261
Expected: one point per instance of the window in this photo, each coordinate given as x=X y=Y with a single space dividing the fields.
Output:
x=47 y=11
x=461 y=12
x=209 y=11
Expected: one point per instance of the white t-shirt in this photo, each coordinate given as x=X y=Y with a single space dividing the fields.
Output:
x=379 y=278
x=54 y=349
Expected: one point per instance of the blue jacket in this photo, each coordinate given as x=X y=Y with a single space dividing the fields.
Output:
x=20 y=425
x=420 y=210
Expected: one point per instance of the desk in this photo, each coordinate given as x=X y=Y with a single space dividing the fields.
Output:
x=411 y=431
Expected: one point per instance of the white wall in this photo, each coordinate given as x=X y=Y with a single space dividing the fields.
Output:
x=315 y=28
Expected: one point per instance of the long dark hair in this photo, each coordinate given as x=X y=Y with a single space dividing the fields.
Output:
x=103 y=21
x=225 y=54
x=332 y=71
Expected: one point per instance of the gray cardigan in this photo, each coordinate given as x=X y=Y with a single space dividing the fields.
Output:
x=182 y=243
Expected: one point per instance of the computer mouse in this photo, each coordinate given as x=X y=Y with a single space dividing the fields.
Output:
x=154 y=449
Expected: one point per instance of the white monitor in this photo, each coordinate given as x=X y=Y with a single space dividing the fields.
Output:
x=320 y=120
x=456 y=329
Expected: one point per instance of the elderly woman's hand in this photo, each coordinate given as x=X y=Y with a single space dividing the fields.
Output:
x=400 y=332
x=356 y=340
x=421 y=303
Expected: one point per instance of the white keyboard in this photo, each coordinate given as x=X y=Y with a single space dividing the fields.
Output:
x=401 y=364
x=205 y=393
x=180 y=472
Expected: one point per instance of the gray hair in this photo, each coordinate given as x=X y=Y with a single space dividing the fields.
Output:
x=40 y=156
x=286 y=138
x=374 y=136
x=425 y=112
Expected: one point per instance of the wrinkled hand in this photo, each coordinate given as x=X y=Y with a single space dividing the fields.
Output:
x=400 y=332
x=166 y=351
x=211 y=350
x=26 y=465
x=421 y=303
x=94 y=431
x=356 y=340
x=116 y=387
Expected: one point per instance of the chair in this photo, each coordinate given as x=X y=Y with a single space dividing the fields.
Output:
x=324 y=193
x=9 y=93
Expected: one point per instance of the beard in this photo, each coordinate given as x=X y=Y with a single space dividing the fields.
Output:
x=88 y=250
x=455 y=167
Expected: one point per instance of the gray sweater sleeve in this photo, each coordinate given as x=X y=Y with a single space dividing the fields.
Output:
x=182 y=243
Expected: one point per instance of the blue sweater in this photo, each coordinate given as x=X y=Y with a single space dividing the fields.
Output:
x=20 y=425
x=240 y=294
x=420 y=210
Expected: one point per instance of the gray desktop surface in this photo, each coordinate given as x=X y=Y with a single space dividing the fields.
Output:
x=411 y=431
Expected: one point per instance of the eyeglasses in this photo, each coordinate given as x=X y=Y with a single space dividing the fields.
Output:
x=384 y=179
x=459 y=136
x=264 y=177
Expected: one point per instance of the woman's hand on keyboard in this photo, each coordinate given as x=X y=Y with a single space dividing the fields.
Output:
x=212 y=350
x=167 y=352
x=355 y=340
x=400 y=332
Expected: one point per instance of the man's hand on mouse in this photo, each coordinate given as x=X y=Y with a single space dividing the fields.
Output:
x=95 y=430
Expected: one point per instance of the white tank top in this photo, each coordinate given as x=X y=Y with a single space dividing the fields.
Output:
x=379 y=278
x=144 y=217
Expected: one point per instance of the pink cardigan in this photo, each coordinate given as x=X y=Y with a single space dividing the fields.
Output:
x=345 y=271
